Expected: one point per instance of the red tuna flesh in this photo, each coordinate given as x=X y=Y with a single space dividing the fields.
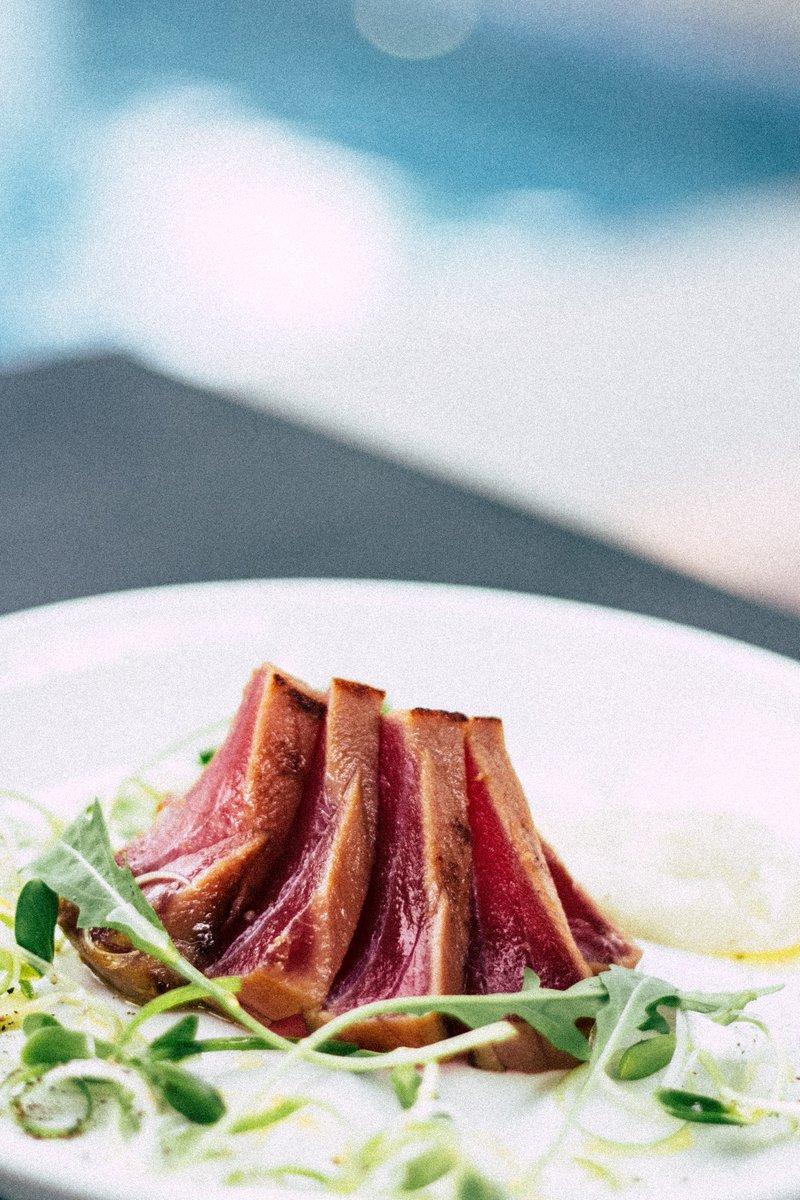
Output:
x=412 y=936
x=518 y=919
x=253 y=782
x=600 y=942
x=290 y=948
x=210 y=852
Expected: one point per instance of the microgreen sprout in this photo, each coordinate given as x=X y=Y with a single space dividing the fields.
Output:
x=67 y=1075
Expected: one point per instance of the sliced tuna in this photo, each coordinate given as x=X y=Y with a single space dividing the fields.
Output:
x=599 y=941
x=527 y=910
x=253 y=783
x=209 y=853
x=291 y=944
x=518 y=920
x=412 y=936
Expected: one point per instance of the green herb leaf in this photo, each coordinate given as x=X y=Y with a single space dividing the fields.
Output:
x=646 y=1057
x=81 y=867
x=406 y=1081
x=35 y=1021
x=692 y=1106
x=341 y=1049
x=178 y=1042
x=51 y=1044
x=35 y=919
x=205 y=756
x=474 y=1186
x=189 y=1095
x=427 y=1167
x=271 y=1116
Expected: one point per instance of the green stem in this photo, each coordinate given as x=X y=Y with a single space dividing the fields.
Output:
x=169 y=1000
x=599 y=1065
x=759 y=1106
x=229 y=1004
x=306 y=1050
x=463 y=1043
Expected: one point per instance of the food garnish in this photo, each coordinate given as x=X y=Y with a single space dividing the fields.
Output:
x=76 y=1064
x=333 y=853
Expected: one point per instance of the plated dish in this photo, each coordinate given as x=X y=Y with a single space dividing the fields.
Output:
x=604 y=714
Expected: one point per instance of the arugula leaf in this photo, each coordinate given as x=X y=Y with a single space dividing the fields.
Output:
x=81 y=867
x=632 y=1005
x=641 y=996
x=552 y=1013
x=35 y=919
x=633 y=1001
x=722 y=1007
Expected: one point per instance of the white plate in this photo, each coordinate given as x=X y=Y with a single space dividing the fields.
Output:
x=596 y=704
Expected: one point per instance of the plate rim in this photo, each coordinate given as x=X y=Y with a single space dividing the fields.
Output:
x=109 y=608
x=106 y=604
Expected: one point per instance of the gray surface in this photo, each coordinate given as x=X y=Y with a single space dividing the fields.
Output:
x=112 y=476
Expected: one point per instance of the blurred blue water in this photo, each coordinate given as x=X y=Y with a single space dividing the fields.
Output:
x=504 y=110
x=627 y=136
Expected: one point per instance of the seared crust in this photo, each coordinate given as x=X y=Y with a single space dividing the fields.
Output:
x=299 y=965
x=134 y=975
x=528 y=1051
x=233 y=868
x=438 y=741
x=600 y=940
x=434 y=743
x=279 y=836
x=488 y=751
x=286 y=731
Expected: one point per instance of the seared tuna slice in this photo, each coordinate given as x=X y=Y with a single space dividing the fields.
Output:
x=412 y=936
x=518 y=920
x=600 y=942
x=253 y=783
x=289 y=950
x=210 y=852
